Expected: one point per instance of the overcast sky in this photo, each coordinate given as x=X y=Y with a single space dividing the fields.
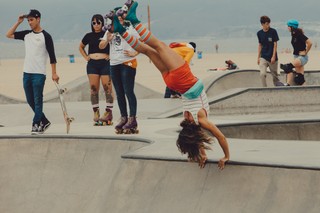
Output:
x=67 y=19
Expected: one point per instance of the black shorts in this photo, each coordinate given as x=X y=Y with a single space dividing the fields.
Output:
x=98 y=67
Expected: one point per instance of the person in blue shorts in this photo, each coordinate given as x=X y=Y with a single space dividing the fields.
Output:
x=301 y=46
x=98 y=70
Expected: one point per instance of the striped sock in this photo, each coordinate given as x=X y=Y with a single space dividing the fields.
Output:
x=109 y=106
x=131 y=40
x=144 y=33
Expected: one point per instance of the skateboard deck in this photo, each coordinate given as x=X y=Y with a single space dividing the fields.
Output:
x=66 y=117
x=218 y=69
x=279 y=84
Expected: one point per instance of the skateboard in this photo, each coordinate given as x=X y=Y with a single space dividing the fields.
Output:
x=218 y=69
x=279 y=84
x=66 y=117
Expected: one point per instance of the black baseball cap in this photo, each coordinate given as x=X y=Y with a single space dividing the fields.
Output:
x=34 y=13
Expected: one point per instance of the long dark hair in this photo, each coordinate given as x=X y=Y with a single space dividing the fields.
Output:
x=191 y=139
x=97 y=17
x=295 y=30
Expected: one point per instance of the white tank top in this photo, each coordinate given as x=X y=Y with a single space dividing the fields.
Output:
x=194 y=105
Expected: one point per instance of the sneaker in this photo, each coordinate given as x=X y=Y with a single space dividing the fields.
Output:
x=35 y=129
x=45 y=124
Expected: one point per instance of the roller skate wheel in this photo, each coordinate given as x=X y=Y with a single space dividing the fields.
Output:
x=108 y=21
x=125 y=8
x=120 y=12
x=128 y=3
x=119 y=131
x=109 y=15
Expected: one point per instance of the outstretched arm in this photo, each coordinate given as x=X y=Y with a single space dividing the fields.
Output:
x=206 y=124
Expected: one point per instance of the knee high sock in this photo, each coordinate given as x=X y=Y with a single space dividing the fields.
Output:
x=131 y=40
x=144 y=33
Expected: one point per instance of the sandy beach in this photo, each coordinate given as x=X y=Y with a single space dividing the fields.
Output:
x=147 y=74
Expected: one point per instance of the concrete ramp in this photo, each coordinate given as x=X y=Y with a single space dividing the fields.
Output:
x=274 y=130
x=244 y=101
x=267 y=100
x=83 y=175
x=229 y=80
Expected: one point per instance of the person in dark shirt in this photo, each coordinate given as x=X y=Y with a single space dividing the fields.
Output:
x=98 y=69
x=38 y=46
x=301 y=46
x=267 y=51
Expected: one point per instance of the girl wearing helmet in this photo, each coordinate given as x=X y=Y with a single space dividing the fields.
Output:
x=301 y=46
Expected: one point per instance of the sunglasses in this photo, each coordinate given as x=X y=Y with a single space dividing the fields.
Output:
x=96 y=23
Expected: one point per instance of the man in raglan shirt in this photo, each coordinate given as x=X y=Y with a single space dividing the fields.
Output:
x=38 y=46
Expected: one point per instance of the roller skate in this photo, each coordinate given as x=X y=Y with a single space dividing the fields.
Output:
x=123 y=121
x=131 y=14
x=96 y=118
x=124 y=9
x=109 y=20
x=106 y=119
x=131 y=126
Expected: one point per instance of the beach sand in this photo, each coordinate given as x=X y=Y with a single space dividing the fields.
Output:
x=147 y=74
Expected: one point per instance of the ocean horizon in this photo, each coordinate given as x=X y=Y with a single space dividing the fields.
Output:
x=63 y=48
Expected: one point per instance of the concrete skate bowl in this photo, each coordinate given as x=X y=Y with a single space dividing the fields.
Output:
x=79 y=90
x=247 y=101
x=266 y=100
x=274 y=130
x=88 y=175
x=247 y=79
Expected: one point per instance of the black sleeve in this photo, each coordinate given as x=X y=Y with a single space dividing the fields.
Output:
x=50 y=47
x=85 y=39
x=21 y=34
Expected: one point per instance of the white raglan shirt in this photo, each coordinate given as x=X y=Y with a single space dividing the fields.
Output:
x=38 y=46
x=118 y=45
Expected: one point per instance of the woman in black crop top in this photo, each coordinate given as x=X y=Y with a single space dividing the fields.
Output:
x=98 y=69
x=301 y=46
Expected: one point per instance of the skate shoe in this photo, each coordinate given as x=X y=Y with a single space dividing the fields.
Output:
x=131 y=14
x=106 y=119
x=36 y=129
x=45 y=124
x=123 y=121
x=109 y=20
x=131 y=126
